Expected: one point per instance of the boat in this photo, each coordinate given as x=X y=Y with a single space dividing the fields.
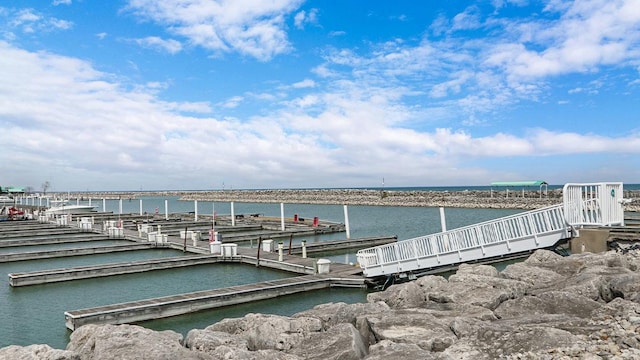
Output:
x=4 y=199
x=69 y=209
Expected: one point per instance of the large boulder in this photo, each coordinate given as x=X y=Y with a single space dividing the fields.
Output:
x=257 y=332
x=36 y=352
x=341 y=342
x=332 y=314
x=116 y=342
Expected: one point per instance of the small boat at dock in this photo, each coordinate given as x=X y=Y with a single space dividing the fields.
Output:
x=69 y=209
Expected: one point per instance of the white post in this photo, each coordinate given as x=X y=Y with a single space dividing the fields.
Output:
x=140 y=206
x=443 y=221
x=77 y=201
x=89 y=200
x=304 y=249
x=233 y=215
x=120 y=206
x=213 y=215
x=282 y=216
x=104 y=205
x=195 y=205
x=280 y=251
x=166 y=209
x=346 y=222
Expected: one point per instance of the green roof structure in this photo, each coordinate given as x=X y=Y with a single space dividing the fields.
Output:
x=522 y=184
x=519 y=183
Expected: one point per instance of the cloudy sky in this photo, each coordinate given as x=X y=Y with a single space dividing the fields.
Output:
x=212 y=94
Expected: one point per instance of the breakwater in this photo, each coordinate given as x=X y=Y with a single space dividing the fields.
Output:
x=472 y=199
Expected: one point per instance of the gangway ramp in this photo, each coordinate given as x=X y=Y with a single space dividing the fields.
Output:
x=593 y=204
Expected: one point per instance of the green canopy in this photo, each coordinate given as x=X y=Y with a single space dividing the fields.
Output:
x=519 y=183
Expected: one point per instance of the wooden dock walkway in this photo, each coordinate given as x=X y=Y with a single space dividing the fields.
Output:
x=173 y=305
x=50 y=254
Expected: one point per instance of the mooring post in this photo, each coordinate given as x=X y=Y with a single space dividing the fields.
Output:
x=233 y=215
x=195 y=205
x=346 y=222
x=304 y=249
x=443 y=221
x=104 y=205
x=280 y=251
x=259 y=246
x=184 y=244
x=282 y=216
x=120 y=206
x=290 y=242
x=166 y=209
x=140 y=206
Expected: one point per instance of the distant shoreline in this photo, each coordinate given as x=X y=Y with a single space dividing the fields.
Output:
x=475 y=199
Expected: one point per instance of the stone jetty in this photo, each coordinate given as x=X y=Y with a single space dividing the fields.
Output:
x=584 y=306
x=513 y=199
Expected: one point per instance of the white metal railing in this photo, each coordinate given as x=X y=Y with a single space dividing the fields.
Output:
x=593 y=204
x=584 y=204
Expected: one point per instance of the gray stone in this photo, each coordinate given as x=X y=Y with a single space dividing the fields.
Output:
x=414 y=326
x=389 y=350
x=341 y=342
x=332 y=314
x=36 y=352
x=116 y=342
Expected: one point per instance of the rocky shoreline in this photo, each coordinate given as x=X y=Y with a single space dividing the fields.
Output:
x=458 y=199
x=584 y=306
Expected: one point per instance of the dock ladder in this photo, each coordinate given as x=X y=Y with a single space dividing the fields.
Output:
x=592 y=204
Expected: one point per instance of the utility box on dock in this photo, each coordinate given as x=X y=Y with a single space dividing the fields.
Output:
x=324 y=266
x=267 y=245
x=215 y=247
x=229 y=250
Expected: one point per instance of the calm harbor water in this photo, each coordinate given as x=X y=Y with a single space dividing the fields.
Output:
x=35 y=314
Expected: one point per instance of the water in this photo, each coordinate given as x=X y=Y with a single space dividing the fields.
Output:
x=35 y=314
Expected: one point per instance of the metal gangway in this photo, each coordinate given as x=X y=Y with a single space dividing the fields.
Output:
x=593 y=204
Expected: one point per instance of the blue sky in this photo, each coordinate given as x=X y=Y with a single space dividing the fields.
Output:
x=203 y=94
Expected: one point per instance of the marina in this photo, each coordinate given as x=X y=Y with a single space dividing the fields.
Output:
x=249 y=240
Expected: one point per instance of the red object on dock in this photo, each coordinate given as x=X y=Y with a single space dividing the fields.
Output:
x=295 y=218
x=315 y=221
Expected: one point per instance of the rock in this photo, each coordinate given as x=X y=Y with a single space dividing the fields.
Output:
x=414 y=326
x=494 y=341
x=400 y=296
x=332 y=314
x=116 y=342
x=36 y=352
x=389 y=350
x=533 y=275
x=551 y=302
x=261 y=332
x=341 y=342
x=480 y=290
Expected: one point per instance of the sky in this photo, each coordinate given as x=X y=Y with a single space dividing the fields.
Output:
x=254 y=94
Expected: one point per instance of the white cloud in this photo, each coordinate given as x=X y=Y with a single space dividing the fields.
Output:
x=304 y=17
x=30 y=21
x=233 y=102
x=250 y=27
x=170 y=46
x=306 y=83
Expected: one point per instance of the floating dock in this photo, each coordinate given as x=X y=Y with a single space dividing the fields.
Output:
x=167 y=306
x=50 y=254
